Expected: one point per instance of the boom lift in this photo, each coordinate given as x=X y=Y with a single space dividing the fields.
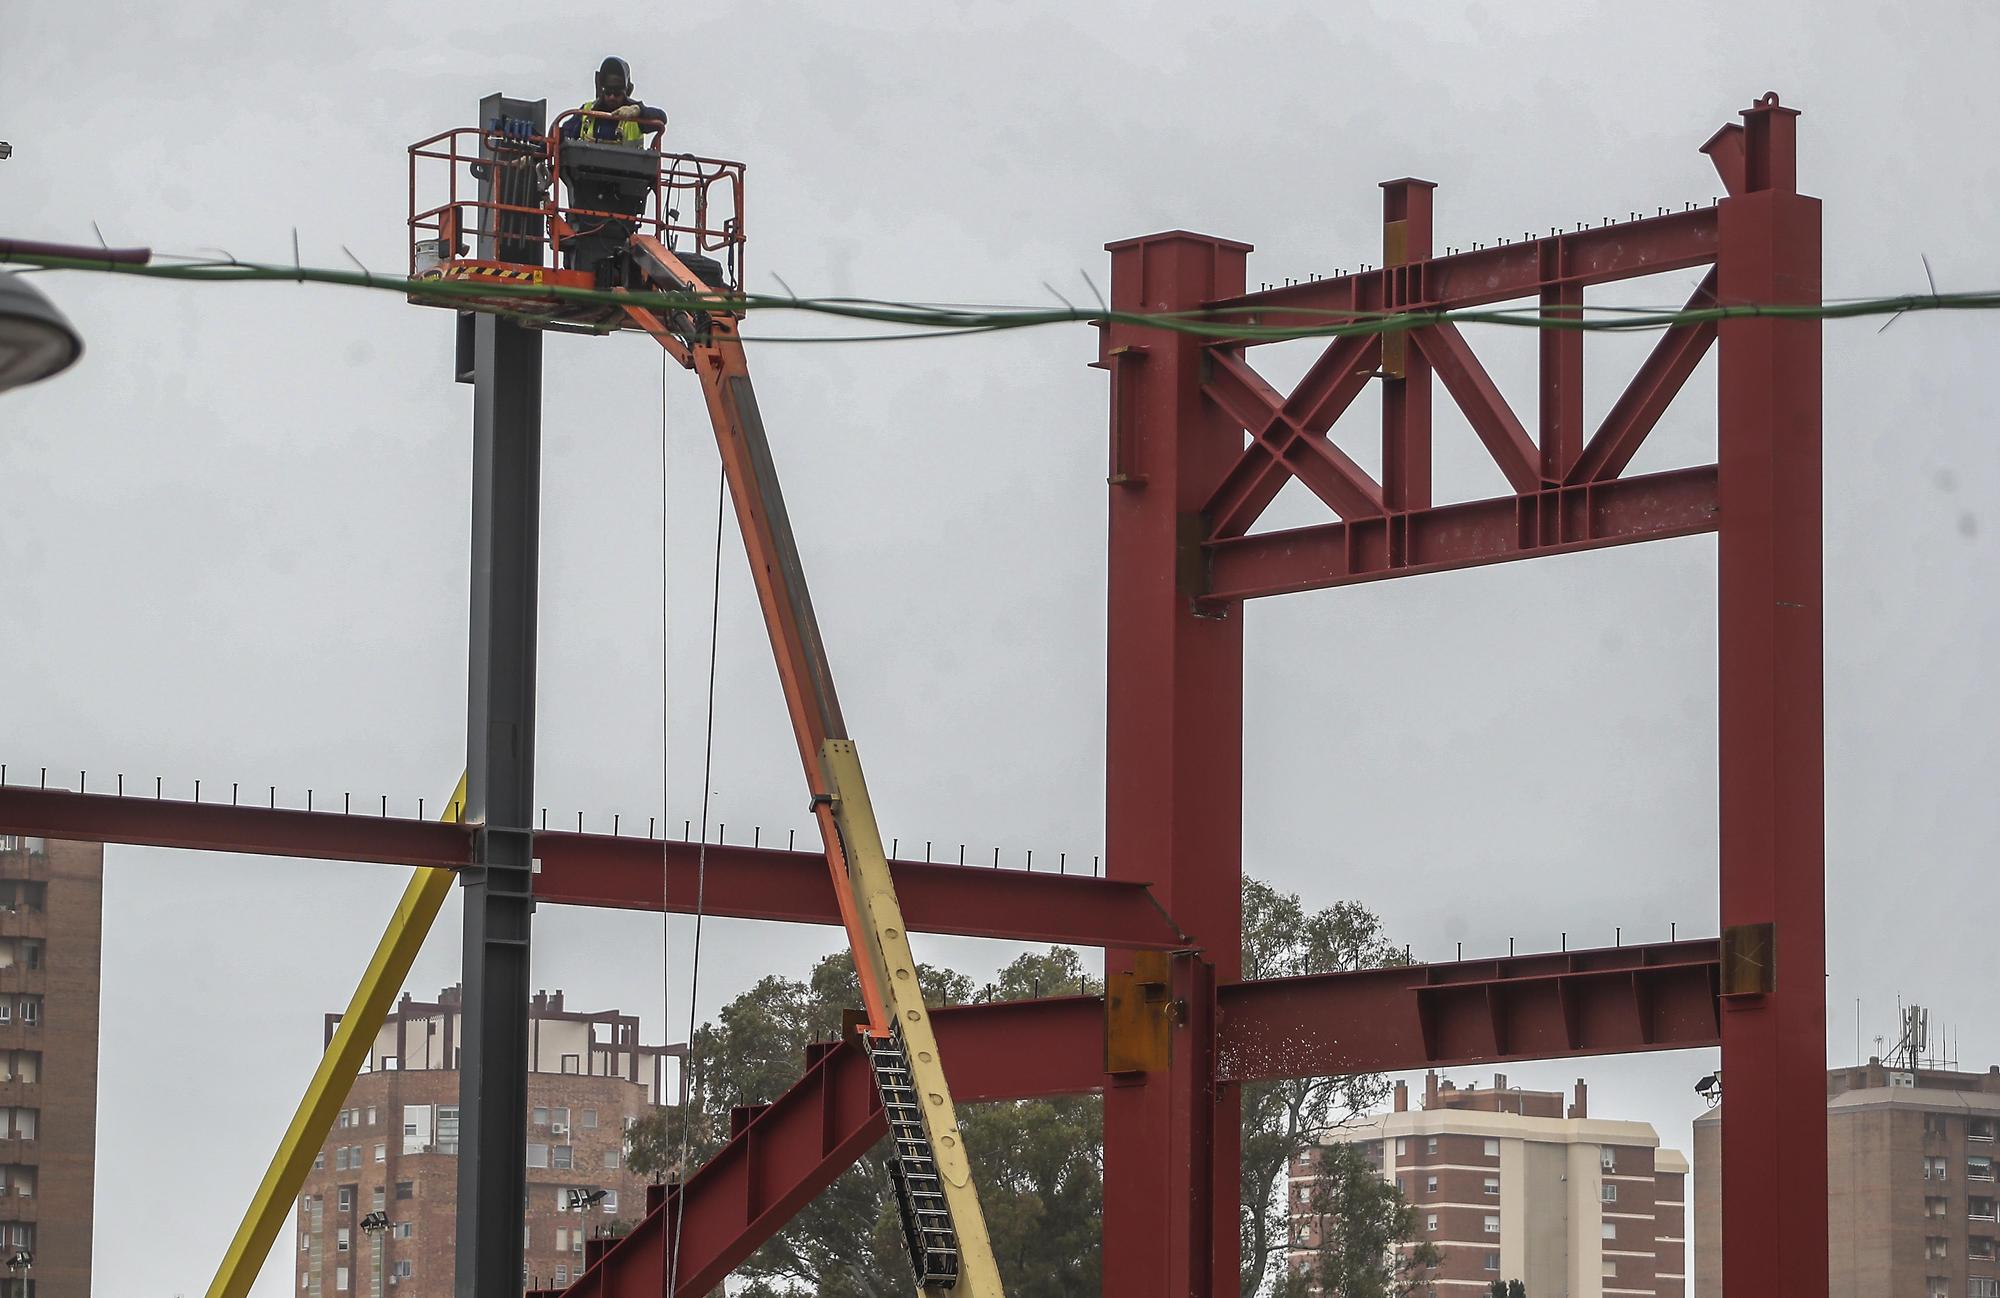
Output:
x=621 y=229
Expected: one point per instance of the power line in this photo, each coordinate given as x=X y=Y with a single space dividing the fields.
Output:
x=1260 y=323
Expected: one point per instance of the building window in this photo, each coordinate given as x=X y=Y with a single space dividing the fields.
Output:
x=319 y=1161
x=1611 y=1230
x=610 y=1160
x=341 y=1241
x=1982 y=1286
x=1402 y=1146
x=1430 y=1185
x=589 y=1120
x=389 y=1063
x=1493 y=1149
x=1978 y=1169
x=538 y=1155
x=1934 y=1169
x=1430 y=1144
x=406 y=1189
x=381 y=1153
x=377 y=1198
x=403 y=1229
x=610 y=1203
x=447 y=1133
x=1980 y=1129
x=1934 y=1206
x=572 y=1063
x=541 y=1116
x=1607 y=1158
x=371 y=1115
x=1934 y=1126
x=1491 y=1185
x=1610 y=1269
x=1937 y=1287
x=1980 y=1248
x=1431 y=1222
x=1936 y=1247
x=402 y=1271
x=1492 y=1261
x=1492 y=1224
x=1608 y=1193
x=562 y=1158
x=340 y=1279
x=340 y=1122
x=1979 y=1209
x=347 y=1198
x=562 y=1268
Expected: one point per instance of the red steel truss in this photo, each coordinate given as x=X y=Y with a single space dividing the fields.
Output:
x=1185 y=492
x=1179 y=1033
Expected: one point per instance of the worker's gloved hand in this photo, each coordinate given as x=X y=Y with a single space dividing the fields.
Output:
x=627 y=113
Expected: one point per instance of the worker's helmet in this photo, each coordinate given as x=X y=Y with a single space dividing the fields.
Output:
x=614 y=77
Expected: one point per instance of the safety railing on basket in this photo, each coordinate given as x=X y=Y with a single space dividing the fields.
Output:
x=692 y=202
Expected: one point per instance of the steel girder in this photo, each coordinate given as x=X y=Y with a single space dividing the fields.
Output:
x=625 y=873
x=781 y=1154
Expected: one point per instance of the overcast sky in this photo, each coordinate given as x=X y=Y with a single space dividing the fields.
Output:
x=233 y=544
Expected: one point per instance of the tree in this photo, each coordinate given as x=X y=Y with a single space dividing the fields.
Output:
x=1362 y=1239
x=1282 y=1118
x=1506 y=1289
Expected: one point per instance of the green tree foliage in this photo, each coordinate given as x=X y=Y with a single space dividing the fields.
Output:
x=1507 y=1289
x=1281 y=939
x=1367 y=1244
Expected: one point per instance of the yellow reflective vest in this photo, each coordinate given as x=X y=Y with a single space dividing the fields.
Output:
x=587 y=128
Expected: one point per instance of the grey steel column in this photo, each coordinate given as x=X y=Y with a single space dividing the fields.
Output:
x=500 y=752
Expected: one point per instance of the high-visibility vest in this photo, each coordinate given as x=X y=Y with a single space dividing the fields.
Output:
x=587 y=128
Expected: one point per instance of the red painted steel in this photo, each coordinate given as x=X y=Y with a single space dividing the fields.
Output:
x=1599 y=255
x=1772 y=781
x=1616 y=1001
x=1682 y=502
x=1173 y=757
x=780 y=1155
x=600 y=870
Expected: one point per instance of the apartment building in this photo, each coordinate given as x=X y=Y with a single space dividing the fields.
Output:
x=1911 y=1194
x=51 y=932
x=376 y=1218
x=1511 y=1185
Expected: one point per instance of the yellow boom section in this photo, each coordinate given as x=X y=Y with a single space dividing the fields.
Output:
x=387 y=969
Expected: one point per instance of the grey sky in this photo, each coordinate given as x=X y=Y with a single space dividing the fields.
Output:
x=234 y=536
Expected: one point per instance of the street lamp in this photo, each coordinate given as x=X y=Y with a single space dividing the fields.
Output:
x=35 y=340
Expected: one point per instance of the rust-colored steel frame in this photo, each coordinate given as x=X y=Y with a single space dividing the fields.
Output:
x=1185 y=492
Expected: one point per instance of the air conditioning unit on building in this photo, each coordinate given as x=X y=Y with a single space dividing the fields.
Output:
x=559 y=1129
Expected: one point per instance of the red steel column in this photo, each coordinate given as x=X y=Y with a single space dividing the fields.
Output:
x=1174 y=772
x=1406 y=375
x=1774 y=1170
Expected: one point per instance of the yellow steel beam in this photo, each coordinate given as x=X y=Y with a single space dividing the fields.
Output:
x=882 y=915
x=390 y=965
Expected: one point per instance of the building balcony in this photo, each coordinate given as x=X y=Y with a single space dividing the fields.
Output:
x=20 y=1094
x=20 y=978
x=24 y=923
x=18 y=1207
x=17 y=1035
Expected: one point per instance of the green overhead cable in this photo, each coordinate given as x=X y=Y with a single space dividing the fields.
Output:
x=1247 y=323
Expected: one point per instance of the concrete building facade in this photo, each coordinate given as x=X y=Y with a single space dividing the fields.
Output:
x=51 y=937
x=393 y=1151
x=1911 y=1195
x=1510 y=1186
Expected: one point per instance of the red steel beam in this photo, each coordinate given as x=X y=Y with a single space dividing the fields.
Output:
x=1588 y=516
x=1375 y=1020
x=1516 y=270
x=600 y=870
x=1617 y=1001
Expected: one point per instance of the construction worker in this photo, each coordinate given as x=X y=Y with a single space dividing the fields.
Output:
x=607 y=194
x=632 y=119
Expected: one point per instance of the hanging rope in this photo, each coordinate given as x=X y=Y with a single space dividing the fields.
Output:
x=700 y=871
